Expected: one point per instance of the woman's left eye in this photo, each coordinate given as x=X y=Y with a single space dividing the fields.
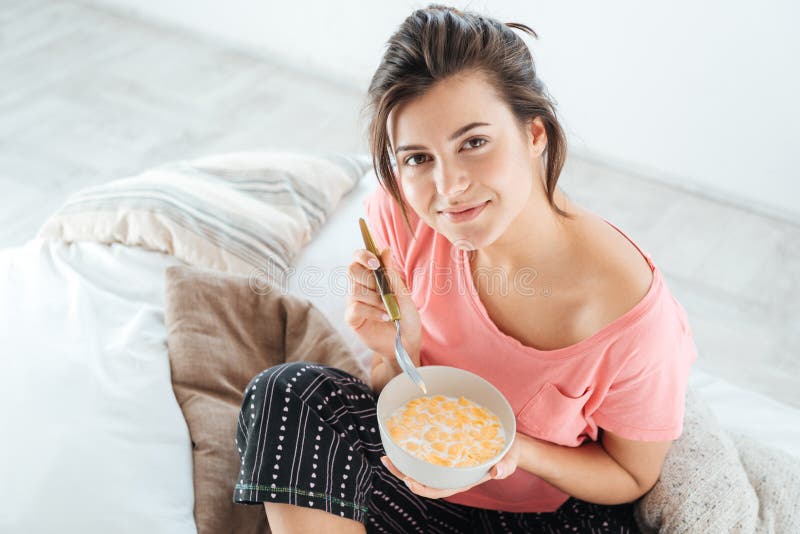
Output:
x=474 y=140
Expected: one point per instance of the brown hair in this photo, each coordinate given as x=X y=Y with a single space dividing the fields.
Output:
x=439 y=41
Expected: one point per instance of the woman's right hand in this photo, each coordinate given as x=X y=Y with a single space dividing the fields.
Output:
x=366 y=314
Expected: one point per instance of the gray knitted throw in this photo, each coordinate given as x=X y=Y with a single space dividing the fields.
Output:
x=716 y=482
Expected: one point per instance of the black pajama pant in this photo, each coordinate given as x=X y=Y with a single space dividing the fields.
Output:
x=308 y=436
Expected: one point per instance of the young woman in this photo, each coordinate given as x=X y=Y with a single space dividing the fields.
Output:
x=497 y=272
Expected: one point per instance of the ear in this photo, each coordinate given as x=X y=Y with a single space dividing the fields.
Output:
x=537 y=135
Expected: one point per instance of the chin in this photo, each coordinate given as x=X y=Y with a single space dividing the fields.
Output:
x=468 y=239
x=469 y=242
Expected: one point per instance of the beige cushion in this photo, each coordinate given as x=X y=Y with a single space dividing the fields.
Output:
x=221 y=332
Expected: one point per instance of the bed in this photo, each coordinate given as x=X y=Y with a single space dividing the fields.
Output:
x=93 y=437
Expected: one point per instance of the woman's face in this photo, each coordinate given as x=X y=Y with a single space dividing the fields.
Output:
x=458 y=146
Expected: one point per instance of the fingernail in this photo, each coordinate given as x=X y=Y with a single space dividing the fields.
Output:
x=385 y=316
x=373 y=263
x=383 y=461
x=408 y=483
x=498 y=472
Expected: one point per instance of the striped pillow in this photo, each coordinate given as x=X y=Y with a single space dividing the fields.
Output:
x=239 y=213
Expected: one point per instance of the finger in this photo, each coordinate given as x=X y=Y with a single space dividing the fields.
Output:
x=434 y=493
x=357 y=313
x=501 y=470
x=387 y=463
x=362 y=276
x=388 y=260
x=423 y=490
x=366 y=258
x=372 y=301
x=367 y=296
x=393 y=272
x=496 y=471
x=506 y=466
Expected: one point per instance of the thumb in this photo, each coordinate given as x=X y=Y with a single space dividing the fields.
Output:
x=393 y=272
x=501 y=470
x=497 y=471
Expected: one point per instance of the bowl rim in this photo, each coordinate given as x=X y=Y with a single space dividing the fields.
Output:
x=488 y=463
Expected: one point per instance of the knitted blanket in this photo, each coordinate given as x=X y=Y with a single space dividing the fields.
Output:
x=716 y=482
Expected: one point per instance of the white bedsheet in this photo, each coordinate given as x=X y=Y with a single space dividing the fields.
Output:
x=92 y=437
x=749 y=412
x=93 y=440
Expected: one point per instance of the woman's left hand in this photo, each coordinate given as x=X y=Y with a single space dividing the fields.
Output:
x=502 y=469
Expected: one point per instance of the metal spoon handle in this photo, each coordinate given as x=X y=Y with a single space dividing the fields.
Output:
x=404 y=360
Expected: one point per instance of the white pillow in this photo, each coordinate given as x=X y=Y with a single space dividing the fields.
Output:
x=93 y=438
x=237 y=212
x=320 y=272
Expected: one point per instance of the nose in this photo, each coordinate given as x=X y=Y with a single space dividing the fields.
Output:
x=451 y=179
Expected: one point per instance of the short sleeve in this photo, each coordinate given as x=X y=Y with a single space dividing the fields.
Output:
x=385 y=220
x=645 y=400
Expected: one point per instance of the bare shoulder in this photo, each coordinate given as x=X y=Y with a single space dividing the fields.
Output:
x=617 y=275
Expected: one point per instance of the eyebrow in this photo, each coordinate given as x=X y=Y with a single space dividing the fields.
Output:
x=457 y=133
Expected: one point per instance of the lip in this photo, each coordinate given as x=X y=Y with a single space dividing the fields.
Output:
x=461 y=208
x=464 y=215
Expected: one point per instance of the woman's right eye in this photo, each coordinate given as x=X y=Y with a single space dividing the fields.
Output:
x=408 y=161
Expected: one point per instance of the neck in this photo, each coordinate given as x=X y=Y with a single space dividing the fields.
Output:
x=537 y=238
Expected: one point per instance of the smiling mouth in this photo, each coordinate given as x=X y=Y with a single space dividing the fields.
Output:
x=462 y=210
x=464 y=215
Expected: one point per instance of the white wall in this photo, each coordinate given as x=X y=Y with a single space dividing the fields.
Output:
x=698 y=94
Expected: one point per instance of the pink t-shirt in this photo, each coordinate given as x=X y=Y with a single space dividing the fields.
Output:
x=629 y=378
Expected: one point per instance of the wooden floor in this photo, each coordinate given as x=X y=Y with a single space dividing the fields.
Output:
x=88 y=96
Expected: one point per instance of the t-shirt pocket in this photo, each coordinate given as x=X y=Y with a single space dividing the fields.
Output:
x=553 y=416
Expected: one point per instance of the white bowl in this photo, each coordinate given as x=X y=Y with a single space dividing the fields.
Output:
x=453 y=382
